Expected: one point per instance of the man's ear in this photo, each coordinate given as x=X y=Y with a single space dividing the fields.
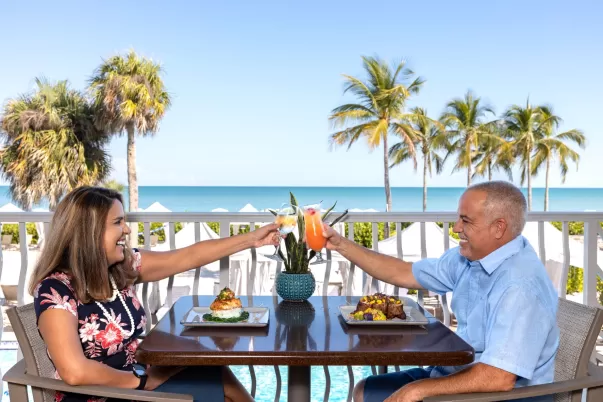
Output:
x=501 y=228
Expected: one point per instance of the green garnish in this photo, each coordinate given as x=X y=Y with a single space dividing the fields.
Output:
x=243 y=317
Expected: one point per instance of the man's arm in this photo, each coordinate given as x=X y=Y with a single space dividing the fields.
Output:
x=382 y=267
x=479 y=377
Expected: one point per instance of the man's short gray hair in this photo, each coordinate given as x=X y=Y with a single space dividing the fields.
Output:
x=504 y=200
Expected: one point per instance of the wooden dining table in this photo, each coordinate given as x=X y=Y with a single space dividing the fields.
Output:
x=300 y=335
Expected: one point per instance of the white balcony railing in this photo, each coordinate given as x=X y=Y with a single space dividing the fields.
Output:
x=250 y=274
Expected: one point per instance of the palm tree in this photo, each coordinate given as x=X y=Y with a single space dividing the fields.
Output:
x=464 y=119
x=494 y=153
x=552 y=145
x=524 y=125
x=51 y=144
x=430 y=137
x=130 y=96
x=114 y=185
x=380 y=111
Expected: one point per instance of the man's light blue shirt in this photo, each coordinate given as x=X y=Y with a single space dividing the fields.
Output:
x=505 y=305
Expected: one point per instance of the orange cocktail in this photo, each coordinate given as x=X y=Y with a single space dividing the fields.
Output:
x=314 y=229
x=316 y=241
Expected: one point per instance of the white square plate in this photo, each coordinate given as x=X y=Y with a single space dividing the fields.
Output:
x=258 y=317
x=413 y=317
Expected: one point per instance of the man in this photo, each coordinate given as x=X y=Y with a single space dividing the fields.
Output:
x=504 y=302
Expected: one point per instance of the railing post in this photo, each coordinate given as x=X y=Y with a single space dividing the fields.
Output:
x=224 y=262
x=24 y=263
x=590 y=263
x=421 y=293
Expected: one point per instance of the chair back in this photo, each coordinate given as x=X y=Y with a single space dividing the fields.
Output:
x=579 y=326
x=23 y=321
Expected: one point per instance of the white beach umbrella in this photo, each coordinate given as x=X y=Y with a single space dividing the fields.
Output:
x=248 y=208
x=9 y=208
x=158 y=207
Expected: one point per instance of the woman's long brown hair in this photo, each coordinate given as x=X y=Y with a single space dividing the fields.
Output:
x=75 y=246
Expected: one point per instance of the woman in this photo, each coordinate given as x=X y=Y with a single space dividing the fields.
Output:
x=87 y=309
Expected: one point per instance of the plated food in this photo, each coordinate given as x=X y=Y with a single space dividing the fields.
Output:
x=226 y=308
x=379 y=307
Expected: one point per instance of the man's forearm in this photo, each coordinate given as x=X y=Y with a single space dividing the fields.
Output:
x=383 y=267
x=477 y=378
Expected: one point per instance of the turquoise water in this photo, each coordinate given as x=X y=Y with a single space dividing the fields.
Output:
x=199 y=199
x=265 y=376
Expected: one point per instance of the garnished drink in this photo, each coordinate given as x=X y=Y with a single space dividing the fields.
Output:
x=286 y=218
x=314 y=229
x=286 y=223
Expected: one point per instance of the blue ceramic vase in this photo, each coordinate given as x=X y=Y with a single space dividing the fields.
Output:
x=295 y=287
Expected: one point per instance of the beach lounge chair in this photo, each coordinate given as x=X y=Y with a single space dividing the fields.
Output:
x=7 y=241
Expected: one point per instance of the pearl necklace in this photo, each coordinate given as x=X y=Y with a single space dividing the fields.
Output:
x=116 y=293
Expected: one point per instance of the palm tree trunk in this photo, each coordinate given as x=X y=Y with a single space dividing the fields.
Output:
x=132 y=180
x=424 y=182
x=489 y=172
x=469 y=165
x=388 y=191
x=546 y=185
x=529 y=183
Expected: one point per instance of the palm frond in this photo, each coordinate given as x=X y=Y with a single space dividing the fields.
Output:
x=352 y=134
x=574 y=135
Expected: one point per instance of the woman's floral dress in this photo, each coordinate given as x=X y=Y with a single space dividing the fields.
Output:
x=101 y=340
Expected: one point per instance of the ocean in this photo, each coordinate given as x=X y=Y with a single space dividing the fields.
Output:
x=405 y=199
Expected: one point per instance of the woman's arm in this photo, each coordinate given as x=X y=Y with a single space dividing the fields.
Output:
x=59 y=329
x=160 y=265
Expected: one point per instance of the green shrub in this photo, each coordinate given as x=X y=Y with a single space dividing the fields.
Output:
x=215 y=226
x=575 y=228
x=450 y=232
x=156 y=228
x=575 y=279
x=363 y=232
x=13 y=229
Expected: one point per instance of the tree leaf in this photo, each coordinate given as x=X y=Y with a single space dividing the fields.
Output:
x=324 y=216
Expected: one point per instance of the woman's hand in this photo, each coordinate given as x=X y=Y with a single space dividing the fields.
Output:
x=266 y=235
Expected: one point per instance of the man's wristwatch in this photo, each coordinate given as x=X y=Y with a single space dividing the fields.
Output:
x=141 y=373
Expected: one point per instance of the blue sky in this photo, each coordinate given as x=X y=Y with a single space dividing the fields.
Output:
x=253 y=82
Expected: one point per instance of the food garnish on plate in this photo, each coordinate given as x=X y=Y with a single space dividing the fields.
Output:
x=226 y=308
x=378 y=307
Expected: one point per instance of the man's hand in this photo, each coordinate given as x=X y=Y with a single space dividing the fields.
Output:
x=265 y=235
x=334 y=239
x=408 y=393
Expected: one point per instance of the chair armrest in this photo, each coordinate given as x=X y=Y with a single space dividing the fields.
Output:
x=591 y=381
x=17 y=375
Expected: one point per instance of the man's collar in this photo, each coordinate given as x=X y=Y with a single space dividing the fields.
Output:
x=493 y=260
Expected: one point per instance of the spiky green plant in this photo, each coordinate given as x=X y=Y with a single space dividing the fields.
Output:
x=298 y=258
